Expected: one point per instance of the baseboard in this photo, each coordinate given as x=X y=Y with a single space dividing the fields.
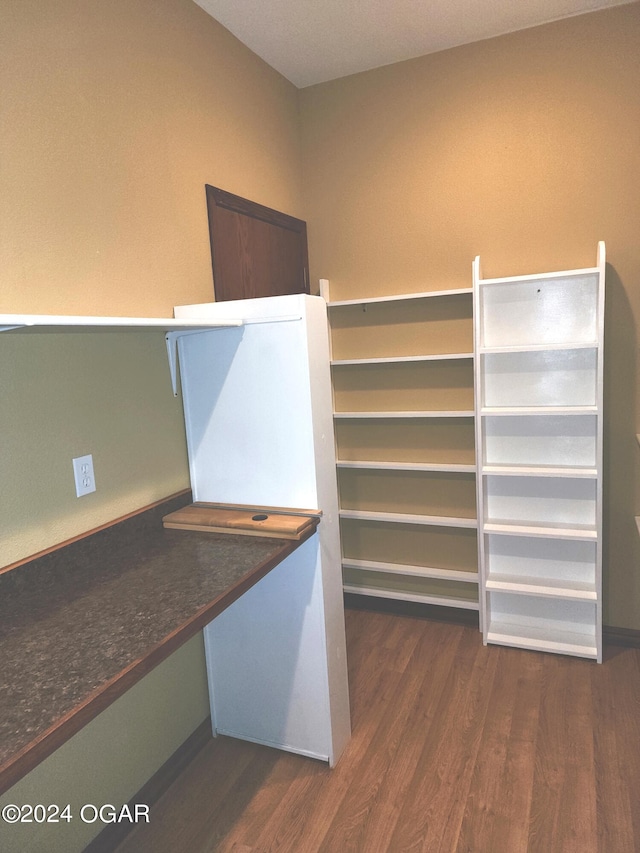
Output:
x=114 y=833
x=629 y=637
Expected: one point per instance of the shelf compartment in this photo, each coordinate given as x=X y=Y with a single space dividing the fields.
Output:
x=423 y=590
x=540 y=623
x=558 y=568
x=430 y=494
x=395 y=328
x=566 y=377
x=540 y=501
x=374 y=541
x=458 y=576
x=539 y=310
x=408 y=387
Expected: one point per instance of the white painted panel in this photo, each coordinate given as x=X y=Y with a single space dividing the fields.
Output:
x=539 y=560
x=540 y=500
x=549 y=440
x=267 y=661
x=249 y=427
x=550 y=311
x=547 y=378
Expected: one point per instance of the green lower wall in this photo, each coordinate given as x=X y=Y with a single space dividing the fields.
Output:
x=113 y=756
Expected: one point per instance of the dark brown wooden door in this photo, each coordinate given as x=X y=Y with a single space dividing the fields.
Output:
x=255 y=251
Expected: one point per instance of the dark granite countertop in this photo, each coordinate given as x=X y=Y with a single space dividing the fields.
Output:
x=81 y=625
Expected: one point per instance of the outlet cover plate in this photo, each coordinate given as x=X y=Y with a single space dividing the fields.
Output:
x=84 y=476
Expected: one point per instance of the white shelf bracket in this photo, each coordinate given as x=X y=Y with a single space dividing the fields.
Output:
x=171 y=339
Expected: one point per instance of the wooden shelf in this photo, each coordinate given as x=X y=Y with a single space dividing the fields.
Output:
x=577 y=471
x=51 y=322
x=544 y=411
x=345 y=362
x=414 y=571
x=553 y=347
x=546 y=587
x=467 y=413
x=402 y=297
x=444 y=467
x=584 y=532
x=559 y=642
x=545 y=276
x=409 y=518
x=398 y=595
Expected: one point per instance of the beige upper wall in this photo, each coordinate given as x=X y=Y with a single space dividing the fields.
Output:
x=523 y=149
x=114 y=116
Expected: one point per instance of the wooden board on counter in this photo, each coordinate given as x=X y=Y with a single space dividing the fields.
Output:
x=249 y=521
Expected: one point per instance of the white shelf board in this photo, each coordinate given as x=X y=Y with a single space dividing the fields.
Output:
x=638 y=523
x=538 y=347
x=413 y=571
x=586 y=533
x=545 y=276
x=547 y=587
x=468 y=413
x=577 y=472
x=402 y=297
x=397 y=595
x=542 y=640
x=51 y=322
x=408 y=518
x=500 y=411
x=444 y=467
x=401 y=359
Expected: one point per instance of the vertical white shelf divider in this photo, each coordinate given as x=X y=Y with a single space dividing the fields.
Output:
x=539 y=421
x=258 y=417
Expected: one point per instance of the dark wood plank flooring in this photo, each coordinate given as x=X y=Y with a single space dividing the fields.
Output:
x=455 y=747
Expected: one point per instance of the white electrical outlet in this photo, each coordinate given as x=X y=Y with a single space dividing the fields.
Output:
x=84 y=476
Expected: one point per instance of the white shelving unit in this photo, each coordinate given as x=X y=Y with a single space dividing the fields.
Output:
x=539 y=378
x=402 y=368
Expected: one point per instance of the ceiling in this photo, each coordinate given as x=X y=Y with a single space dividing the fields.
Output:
x=312 y=41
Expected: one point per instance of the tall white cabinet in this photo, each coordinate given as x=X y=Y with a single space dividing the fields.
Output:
x=258 y=416
x=539 y=397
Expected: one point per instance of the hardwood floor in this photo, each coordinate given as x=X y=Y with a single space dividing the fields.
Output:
x=455 y=747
